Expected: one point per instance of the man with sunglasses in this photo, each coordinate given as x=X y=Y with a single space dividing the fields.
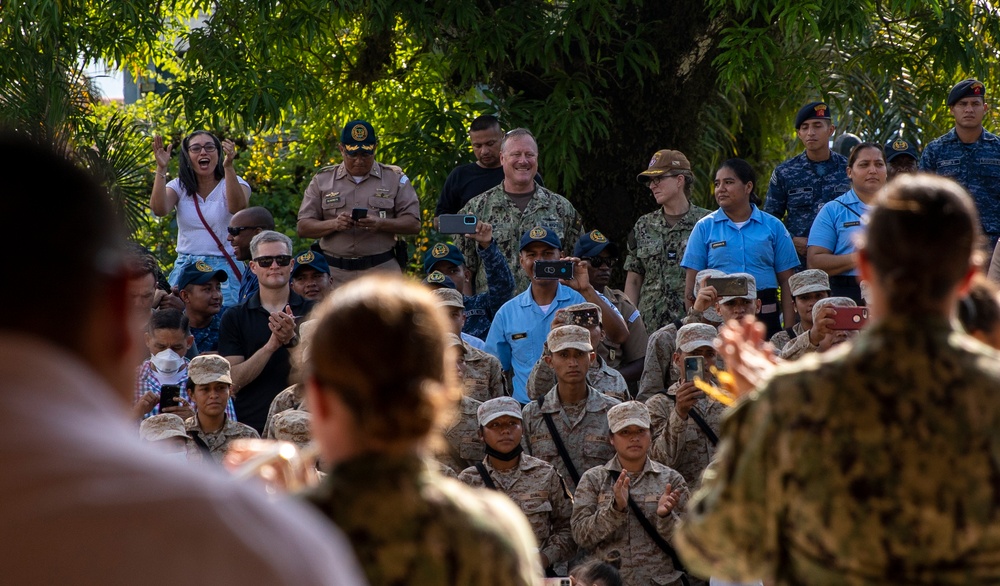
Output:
x=357 y=208
x=628 y=357
x=655 y=279
x=256 y=335
x=244 y=225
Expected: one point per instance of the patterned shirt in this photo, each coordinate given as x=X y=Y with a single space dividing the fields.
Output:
x=206 y=339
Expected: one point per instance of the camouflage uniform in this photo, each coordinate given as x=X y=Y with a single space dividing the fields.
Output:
x=600 y=376
x=800 y=187
x=291 y=398
x=543 y=498
x=483 y=378
x=586 y=438
x=546 y=209
x=465 y=447
x=659 y=363
x=410 y=525
x=679 y=443
x=977 y=167
x=217 y=441
x=601 y=530
x=655 y=251
x=781 y=337
x=634 y=348
x=480 y=308
x=873 y=463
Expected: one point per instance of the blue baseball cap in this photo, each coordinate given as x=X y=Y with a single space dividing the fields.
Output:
x=897 y=147
x=540 y=234
x=443 y=251
x=438 y=280
x=200 y=273
x=592 y=243
x=310 y=258
x=358 y=135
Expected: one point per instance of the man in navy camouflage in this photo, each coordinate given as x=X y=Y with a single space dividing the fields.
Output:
x=801 y=185
x=969 y=154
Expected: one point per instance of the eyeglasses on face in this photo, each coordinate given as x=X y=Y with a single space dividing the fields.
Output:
x=197 y=148
x=656 y=180
x=601 y=261
x=237 y=230
x=283 y=260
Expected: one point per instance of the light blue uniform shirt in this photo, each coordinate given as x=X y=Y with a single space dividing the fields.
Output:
x=762 y=247
x=836 y=223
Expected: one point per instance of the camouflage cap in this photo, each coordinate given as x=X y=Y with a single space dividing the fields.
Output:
x=751 y=288
x=696 y=335
x=808 y=281
x=832 y=302
x=292 y=425
x=453 y=340
x=663 y=162
x=498 y=407
x=209 y=368
x=818 y=110
x=581 y=314
x=710 y=314
x=449 y=297
x=965 y=89
x=565 y=337
x=161 y=427
x=628 y=413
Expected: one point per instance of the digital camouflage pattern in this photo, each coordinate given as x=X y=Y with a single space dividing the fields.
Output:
x=543 y=498
x=217 y=441
x=600 y=376
x=634 y=348
x=547 y=209
x=586 y=436
x=601 y=530
x=873 y=463
x=655 y=251
x=291 y=398
x=781 y=337
x=481 y=307
x=483 y=378
x=465 y=447
x=680 y=443
x=411 y=526
x=659 y=370
x=799 y=188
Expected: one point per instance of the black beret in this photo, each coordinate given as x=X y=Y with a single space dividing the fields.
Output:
x=812 y=110
x=965 y=89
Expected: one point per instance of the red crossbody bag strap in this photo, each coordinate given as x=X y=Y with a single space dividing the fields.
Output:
x=225 y=253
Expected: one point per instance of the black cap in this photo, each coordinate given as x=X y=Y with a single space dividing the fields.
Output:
x=897 y=147
x=964 y=89
x=812 y=110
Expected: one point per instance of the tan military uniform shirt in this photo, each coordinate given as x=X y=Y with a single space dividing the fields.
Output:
x=291 y=398
x=781 y=337
x=634 y=348
x=659 y=370
x=798 y=347
x=543 y=497
x=585 y=434
x=601 y=530
x=600 y=376
x=217 y=441
x=465 y=447
x=681 y=443
x=483 y=379
x=385 y=192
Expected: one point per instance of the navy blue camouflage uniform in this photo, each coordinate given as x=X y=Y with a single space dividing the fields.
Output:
x=480 y=308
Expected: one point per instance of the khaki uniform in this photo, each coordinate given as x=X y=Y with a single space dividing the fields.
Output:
x=291 y=398
x=781 y=338
x=679 y=443
x=655 y=251
x=385 y=192
x=585 y=436
x=601 y=530
x=410 y=525
x=873 y=463
x=634 y=348
x=543 y=498
x=483 y=379
x=798 y=347
x=546 y=208
x=659 y=370
x=217 y=441
x=465 y=447
x=600 y=376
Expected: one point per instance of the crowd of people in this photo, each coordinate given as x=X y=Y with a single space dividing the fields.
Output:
x=761 y=404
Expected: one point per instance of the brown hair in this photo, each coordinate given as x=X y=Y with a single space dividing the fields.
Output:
x=380 y=344
x=856 y=151
x=979 y=310
x=921 y=238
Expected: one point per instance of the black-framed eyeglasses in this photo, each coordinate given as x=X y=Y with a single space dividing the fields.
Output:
x=600 y=261
x=655 y=180
x=197 y=148
x=283 y=260
x=237 y=230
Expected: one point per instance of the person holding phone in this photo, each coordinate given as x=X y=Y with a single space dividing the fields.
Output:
x=824 y=333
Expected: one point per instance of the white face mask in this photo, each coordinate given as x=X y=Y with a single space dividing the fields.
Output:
x=167 y=362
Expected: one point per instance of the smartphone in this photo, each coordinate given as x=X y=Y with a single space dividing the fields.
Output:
x=168 y=396
x=554 y=269
x=728 y=286
x=849 y=318
x=557 y=582
x=358 y=213
x=457 y=224
x=694 y=367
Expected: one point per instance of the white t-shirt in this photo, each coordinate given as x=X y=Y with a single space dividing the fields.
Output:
x=192 y=238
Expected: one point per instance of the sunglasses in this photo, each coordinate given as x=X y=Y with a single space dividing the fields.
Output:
x=601 y=261
x=237 y=230
x=283 y=260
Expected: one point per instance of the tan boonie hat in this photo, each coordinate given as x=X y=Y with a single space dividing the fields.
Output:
x=696 y=335
x=292 y=425
x=449 y=297
x=498 y=407
x=751 y=288
x=161 y=427
x=565 y=337
x=581 y=314
x=710 y=314
x=628 y=413
x=209 y=368
x=808 y=281
x=663 y=162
